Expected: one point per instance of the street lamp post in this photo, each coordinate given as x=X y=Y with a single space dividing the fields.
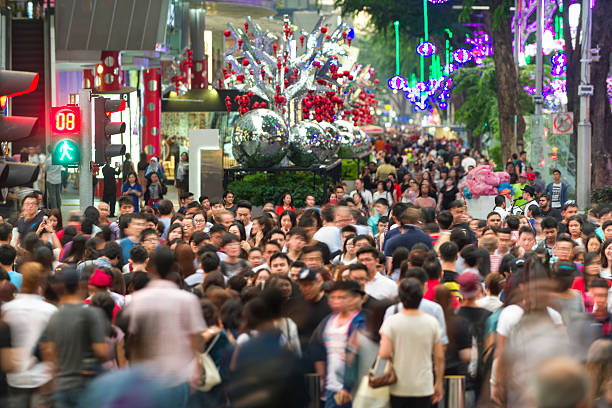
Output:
x=585 y=90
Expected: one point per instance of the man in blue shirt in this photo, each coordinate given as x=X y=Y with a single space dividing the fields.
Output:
x=133 y=227
x=7 y=259
x=410 y=235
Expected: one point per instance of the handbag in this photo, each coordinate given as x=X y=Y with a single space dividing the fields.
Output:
x=368 y=397
x=388 y=377
x=210 y=376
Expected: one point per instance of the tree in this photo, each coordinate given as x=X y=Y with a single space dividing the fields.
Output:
x=601 y=113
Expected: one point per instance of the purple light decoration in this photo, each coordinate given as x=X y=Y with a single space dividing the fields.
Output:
x=481 y=45
x=558 y=59
x=449 y=69
x=397 y=83
x=443 y=105
x=461 y=56
x=557 y=70
x=421 y=86
x=437 y=1
x=426 y=49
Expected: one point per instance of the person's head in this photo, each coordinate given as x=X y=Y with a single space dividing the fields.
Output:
x=593 y=243
x=126 y=205
x=286 y=200
x=504 y=237
x=287 y=220
x=570 y=209
x=563 y=247
x=339 y=189
x=113 y=252
x=494 y=283
x=557 y=175
x=32 y=277
x=599 y=292
x=343 y=295
x=424 y=188
x=228 y=197
x=165 y=208
x=175 y=231
x=230 y=244
x=270 y=248
x=154 y=178
x=410 y=292
x=444 y=220
x=162 y=263
x=29 y=205
x=449 y=252
x=606 y=227
x=132 y=178
x=296 y=239
x=103 y=210
x=226 y=218
x=469 y=285
x=494 y=220
x=526 y=239
x=135 y=224
x=574 y=226
x=381 y=206
x=243 y=211
x=310 y=200
x=606 y=253
x=279 y=264
x=310 y=282
x=138 y=255
x=382 y=224
x=358 y=272
x=369 y=257
x=500 y=201
x=209 y=262
x=255 y=257
x=312 y=256
x=544 y=201
x=216 y=205
x=528 y=192
x=7 y=256
x=549 y=228
x=149 y=238
x=458 y=210
x=488 y=242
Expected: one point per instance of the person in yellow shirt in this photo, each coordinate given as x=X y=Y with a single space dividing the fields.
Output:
x=383 y=171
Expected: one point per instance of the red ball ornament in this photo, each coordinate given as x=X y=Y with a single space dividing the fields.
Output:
x=323 y=29
x=263 y=105
x=302 y=40
x=275 y=47
x=246 y=26
x=240 y=43
x=376 y=81
x=245 y=62
x=227 y=33
x=328 y=37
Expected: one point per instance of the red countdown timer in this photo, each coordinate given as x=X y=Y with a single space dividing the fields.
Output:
x=65 y=119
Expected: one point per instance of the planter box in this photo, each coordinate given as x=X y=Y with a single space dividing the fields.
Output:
x=480 y=207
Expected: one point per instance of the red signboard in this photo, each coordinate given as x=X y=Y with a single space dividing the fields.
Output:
x=65 y=119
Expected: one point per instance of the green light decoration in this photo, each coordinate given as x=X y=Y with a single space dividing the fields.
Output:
x=66 y=153
x=422 y=61
x=425 y=20
x=397 y=61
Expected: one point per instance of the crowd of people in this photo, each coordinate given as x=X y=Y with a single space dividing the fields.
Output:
x=216 y=303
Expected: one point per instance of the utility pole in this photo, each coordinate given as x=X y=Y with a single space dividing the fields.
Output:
x=538 y=99
x=85 y=174
x=585 y=91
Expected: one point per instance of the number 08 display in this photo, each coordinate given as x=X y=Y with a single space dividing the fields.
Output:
x=65 y=119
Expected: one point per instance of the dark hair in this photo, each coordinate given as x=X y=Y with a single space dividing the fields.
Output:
x=6 y=230
x=413 y=272
x=456 y=204
x=30 y=195
x=209 y=312
x=125 y=200
x=266 y=224
x=138 y=254
x=227 y=192
x=604 y=259
x=432 y=268
x=112 y=250
x=90 y=218
x=165 y=207
x=410 y=293
x=163 y=262
x=599 y=283
x=526 y=230
x=445 y=219
x=7 y=254
x=54 y=212
x=512 y=221
x=548 y=223
x=449 y=251
x=367 y=238
x=368 y=250
x=105 y=302
x=461 y=237
x=77 y=250
x=244 y=204
x=291 y=215
x=499 y=200
x=282 y=198
x=228 y=239
x=398 y=257
x=209 y=261
x=280 y=255
x=563 y=274
x=494 y=282
x=146 y=232
x=198 y=237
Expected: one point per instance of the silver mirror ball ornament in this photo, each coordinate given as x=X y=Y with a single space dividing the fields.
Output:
x=305 y=139
x=328 y=148
x=259 y=139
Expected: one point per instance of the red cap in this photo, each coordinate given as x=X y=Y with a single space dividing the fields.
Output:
x=100 y=279
x=469 y=284
x=530 y=176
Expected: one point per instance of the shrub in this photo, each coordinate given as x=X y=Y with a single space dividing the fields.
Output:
x=602 y=195
x=261 y=187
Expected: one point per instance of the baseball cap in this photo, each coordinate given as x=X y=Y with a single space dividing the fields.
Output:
x=469 y=284
x=529 y=189
x=523 y=175
x=530 y=176
x=308 y=274
x=100 y=279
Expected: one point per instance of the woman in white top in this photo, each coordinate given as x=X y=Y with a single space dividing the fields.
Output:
x=348 y=255
x=382 y=193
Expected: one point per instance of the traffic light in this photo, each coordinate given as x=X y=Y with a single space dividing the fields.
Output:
x=104 y=128
x=15 y=83
x=12 y=128
x=66 y=122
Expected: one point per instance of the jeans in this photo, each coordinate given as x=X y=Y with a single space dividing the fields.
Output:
x=67 y=398
x=330 y=402
x=410 y=402
x=54 y=200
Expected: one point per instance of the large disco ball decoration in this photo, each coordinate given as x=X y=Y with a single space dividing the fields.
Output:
x=362 y=142
x=330 y=145
x=259 y=139
x=305 y=138
x=347 y=145
x=344 y=126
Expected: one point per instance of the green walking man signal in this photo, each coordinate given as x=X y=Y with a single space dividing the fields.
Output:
x=66 y=153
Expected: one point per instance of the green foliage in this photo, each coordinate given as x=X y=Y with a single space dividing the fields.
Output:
x=260 y=188
x=349 y=169
x=602 y=195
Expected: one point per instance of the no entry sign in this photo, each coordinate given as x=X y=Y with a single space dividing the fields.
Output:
x=563 y=123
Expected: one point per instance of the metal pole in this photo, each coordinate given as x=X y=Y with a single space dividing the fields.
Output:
x=583 y=161
x=538 y=125
x=517 y=28
x=85 y=174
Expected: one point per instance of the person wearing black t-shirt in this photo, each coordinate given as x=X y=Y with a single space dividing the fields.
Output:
x=31 y=218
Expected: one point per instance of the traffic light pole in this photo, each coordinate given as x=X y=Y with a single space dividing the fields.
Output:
x=583 y=161
x=85 y=173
